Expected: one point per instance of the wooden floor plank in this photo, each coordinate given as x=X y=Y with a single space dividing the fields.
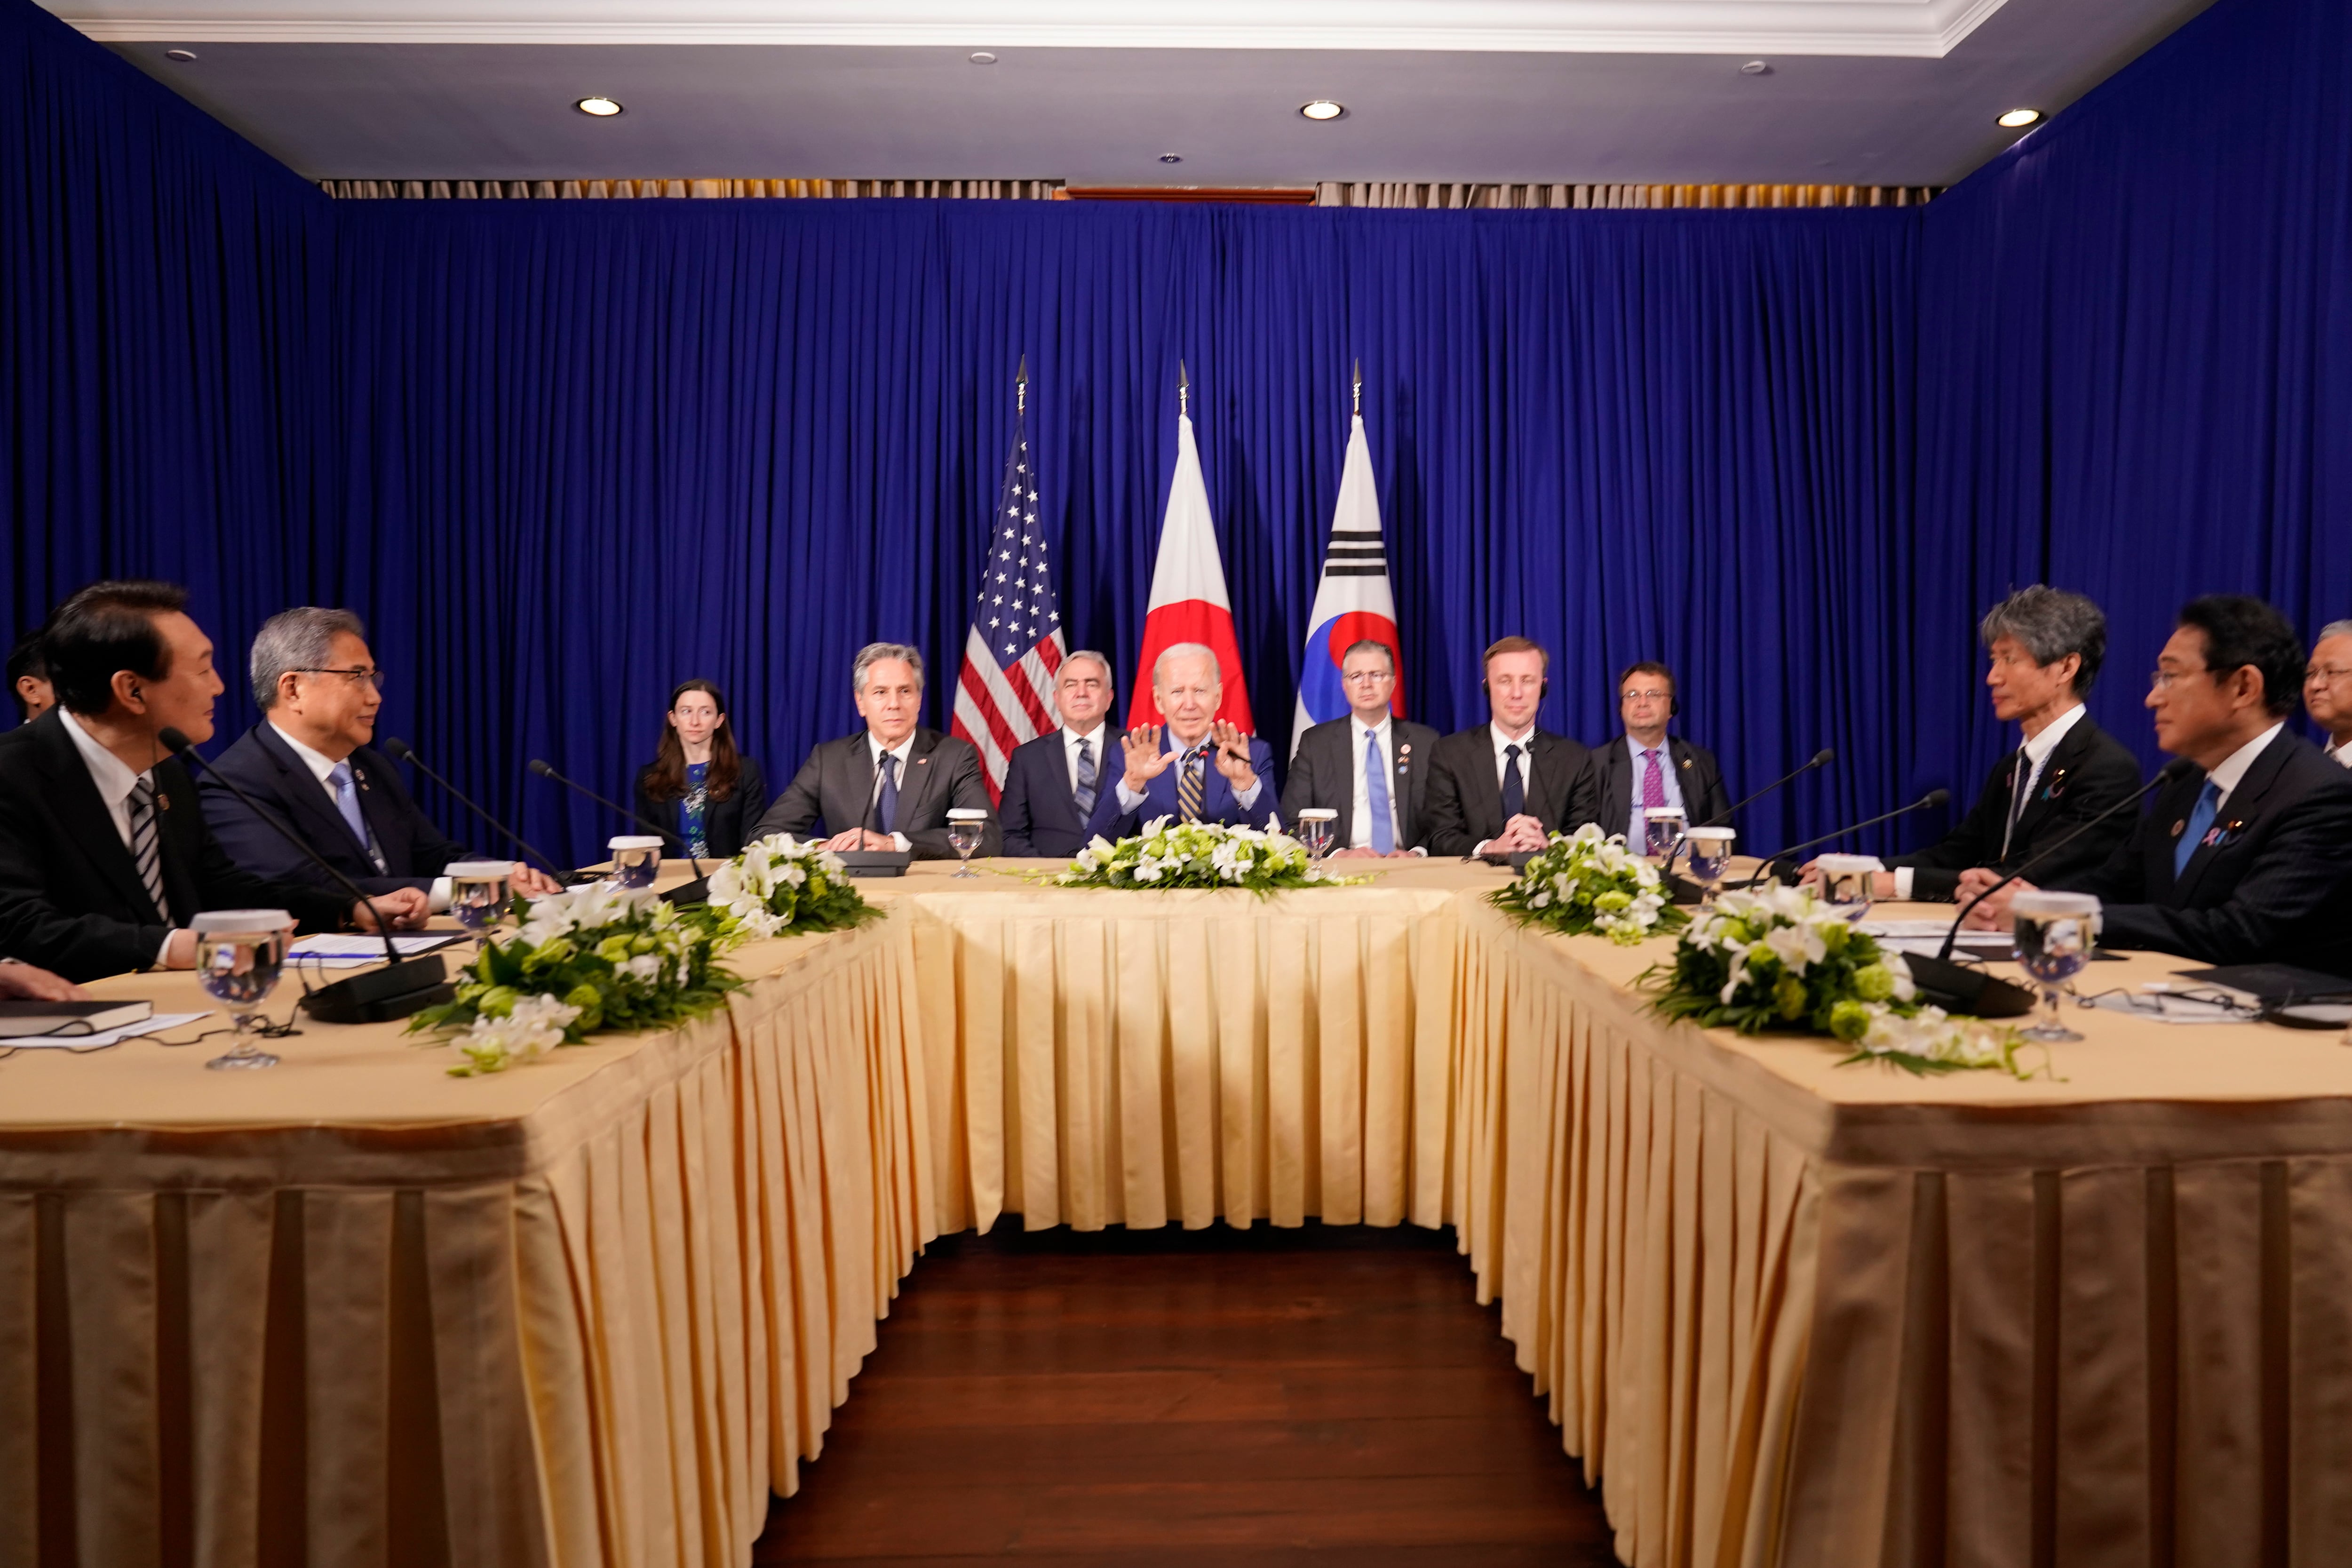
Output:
x=1305 y=1397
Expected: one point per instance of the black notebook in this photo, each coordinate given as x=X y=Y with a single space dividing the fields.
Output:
x=18 y=1018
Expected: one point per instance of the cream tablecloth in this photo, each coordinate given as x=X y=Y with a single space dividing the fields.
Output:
x=592 y=1311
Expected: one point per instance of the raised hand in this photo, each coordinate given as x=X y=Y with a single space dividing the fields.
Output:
x=1145 y=759
x=1232 y=745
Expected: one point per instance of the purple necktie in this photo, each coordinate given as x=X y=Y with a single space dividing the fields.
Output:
x=1653 y=781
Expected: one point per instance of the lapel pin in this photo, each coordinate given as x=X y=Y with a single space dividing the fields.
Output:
x=2176 y=827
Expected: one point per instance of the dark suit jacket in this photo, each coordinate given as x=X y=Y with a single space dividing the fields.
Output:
x=1323 y=774
x=1466 y=798
x=837 y=781
x=2273 y=883
x=1159 y=796
x=724 y=822
x=2088 y=773
x=1039 y=815
x=263 y=766
x=70 y=897
x=1704 y=800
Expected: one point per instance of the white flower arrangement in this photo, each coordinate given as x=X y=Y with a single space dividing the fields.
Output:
x=782 y=885
x=1588 y=882
x=1170 y=854
x=534 y=1026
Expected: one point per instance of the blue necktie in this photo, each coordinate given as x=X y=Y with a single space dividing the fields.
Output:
x=1514 y=787
x=886 y=807
x=1084 y=795
x=2200 y=822
x=1376 y=794
x=347 y=802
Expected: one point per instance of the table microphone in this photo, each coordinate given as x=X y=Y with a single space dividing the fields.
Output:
x=695 y=892
x=2178 y=768
x=400 y=751
x=874 y=862
x=1928 y=802
x=1822 y=759
x=400 y=987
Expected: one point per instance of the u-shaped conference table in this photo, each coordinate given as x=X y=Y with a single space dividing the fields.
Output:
x=594 y=1309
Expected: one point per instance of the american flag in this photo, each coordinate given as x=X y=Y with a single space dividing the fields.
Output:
x=1006 y=694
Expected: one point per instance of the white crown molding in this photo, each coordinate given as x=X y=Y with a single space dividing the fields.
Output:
x=1913 y=29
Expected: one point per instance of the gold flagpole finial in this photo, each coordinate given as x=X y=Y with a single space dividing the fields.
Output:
x=1184 y=392
x=1021 y=387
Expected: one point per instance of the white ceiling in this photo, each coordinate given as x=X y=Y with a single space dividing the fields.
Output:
x=1860 y=91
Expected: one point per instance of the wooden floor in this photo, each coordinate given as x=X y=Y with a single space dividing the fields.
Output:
x=1155 y=1398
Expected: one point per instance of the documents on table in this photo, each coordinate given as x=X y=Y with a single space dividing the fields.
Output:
x=1926 y=938
x=356 y=950
x=104 y=1037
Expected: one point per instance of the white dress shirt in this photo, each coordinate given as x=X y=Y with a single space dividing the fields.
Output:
x=2342 y=754
x=904 y=751
x=115 y=781
x=2226 y=775
x=322 y=768
x=1360 y=813
x=1525 y=742
x=2037 y=758
x=1098 y=735
x=1206 y=746
x=1638 y=820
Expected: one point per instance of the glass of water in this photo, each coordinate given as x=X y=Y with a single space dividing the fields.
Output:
x=1846 y=882
x=2056 y=934
x=1709 y=856
x=1318 y=826
x=240 y=953
x=1661 y=833
x=966 y=825
x=478 y=894
x=636 y=859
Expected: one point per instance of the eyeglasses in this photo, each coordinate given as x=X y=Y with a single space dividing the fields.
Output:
x=2162 y=680
x=373 y=677
x=1647 y=695
x=2324 y=672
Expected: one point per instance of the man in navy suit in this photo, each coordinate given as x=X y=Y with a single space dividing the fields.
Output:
x=2248 y=859
x=308 y=764
x=1199 y=768
x=1051 y=784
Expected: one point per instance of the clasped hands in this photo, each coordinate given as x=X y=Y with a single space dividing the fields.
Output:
x=1522 y=832
x=1146 y=761
x=1993 y=913
x=861 y=839
x=1882 y=883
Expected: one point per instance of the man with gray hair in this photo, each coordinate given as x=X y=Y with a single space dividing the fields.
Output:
x=309 y=763
x=2045 y=647
x=1052 y=783
x=2327 y=688
x=1199 y=768
x=891 y=784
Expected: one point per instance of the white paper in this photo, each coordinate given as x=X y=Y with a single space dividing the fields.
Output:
x=2158 y=1007
x=367 y=946
x=148 y=1026
x=1914 y=928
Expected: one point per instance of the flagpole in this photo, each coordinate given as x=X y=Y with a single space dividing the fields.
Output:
x=1358 y=390
x=1184 y=392
x=1021 y=387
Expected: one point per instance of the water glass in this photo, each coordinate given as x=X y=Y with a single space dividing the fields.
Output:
x=1708 y=856
x=1318 y=826
x=240 y=953
x=478 y=893
x=636 y=859
x=966 y=825
x=2057 y=933
x=1661 y=833
x=1846 y=882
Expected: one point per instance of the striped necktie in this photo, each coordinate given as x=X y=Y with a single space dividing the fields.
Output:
x=1088 y=781
x=146 y=844
x=1188 y=788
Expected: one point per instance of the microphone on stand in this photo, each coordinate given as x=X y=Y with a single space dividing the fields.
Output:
x=400 y=751
x=1821 y=759
x=695 y=892
x=400 y=987
x=1928 y=802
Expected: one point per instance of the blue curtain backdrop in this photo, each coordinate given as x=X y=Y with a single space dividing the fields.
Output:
x=562 y=454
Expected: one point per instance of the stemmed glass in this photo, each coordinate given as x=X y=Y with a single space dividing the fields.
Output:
x=1707 y=855
x=966 y=824
x=1318 y=826
x=636 y=859
x=239 y=954
x=2057 y=933
x=1846 y=882
x=1662 y=835
x=478 y=895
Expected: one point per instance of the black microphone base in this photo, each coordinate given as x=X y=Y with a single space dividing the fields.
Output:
x=877 y=862
x=1957 y=988
x=393 y=992
x=695 y=892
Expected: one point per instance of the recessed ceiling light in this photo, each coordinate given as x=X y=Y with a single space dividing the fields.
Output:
x=1171 y=157
x=2018 y=119
x=602 y=107
x=1756 y=67
x=182 y=56
x=983 y=57
x=1322 y=108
